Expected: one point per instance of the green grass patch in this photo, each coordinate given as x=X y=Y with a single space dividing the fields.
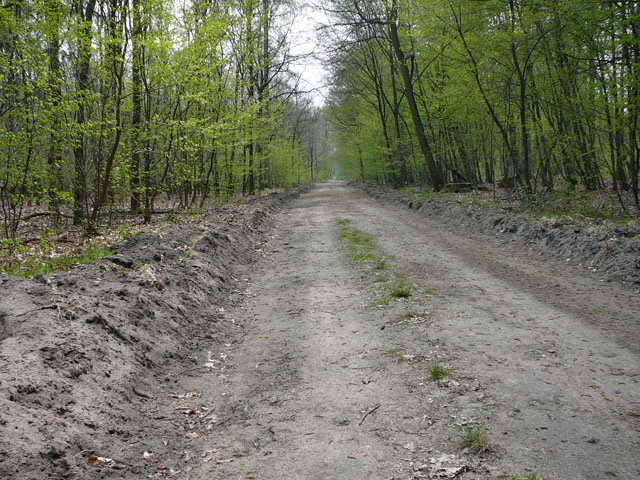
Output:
x=363 y=256
x=380 y=265
x=357 y=238
x=401 y=293
x=429 y=291
x=399 y=289
x=437 y=372
x=383 y=277
x=474 y=437
x=429 y=195
x=344 y=221
x=35 y=266
x=531 y=476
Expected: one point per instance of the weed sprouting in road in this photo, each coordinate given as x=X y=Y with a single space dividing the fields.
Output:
x=357 y=238
x=474 y=437
x=398 y=289
x=363 y=257
x=437 y=372
x=362 y=249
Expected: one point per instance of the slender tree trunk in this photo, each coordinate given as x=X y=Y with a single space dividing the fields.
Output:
x=116 y=60
x=85 y=19
x=54 y=157
x=522 y=106
x=136 y=100
x=434 y=173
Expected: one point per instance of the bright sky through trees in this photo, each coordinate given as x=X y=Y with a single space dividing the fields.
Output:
x=306 y=44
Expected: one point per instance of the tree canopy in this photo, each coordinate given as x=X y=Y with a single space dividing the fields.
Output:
x=112 y=104
x=529 y=93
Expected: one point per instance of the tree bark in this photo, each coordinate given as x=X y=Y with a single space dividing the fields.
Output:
x=136 y=100
x=85 y=18
x=434 y=173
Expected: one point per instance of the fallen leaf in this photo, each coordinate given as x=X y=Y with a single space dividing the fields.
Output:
x=192 y=435
x=445 y=467
x=100 y=462
x=148 y=455
x=165 y=471
x=188 y=409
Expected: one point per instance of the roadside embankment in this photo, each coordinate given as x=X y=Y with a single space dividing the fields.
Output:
x=81 y=351
x=613 y=250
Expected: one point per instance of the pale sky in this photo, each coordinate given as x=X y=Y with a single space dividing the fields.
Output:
x=305 y=42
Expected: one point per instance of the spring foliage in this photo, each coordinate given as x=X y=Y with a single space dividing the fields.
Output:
x=524 y=93
x=109 y=104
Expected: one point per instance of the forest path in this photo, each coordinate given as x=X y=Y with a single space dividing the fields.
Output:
x=328 y=384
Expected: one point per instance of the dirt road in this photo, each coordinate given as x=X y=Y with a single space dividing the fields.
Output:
x=318 y=365
x=330 y=378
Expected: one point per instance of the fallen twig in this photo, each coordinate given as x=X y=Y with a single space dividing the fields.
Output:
x=369 y=413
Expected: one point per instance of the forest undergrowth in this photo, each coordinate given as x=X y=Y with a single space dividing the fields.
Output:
x=592 y=206
x=43 y=245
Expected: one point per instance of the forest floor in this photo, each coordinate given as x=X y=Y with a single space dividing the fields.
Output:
x=329 y=334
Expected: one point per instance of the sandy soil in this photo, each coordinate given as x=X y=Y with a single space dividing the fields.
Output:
x=290 y=368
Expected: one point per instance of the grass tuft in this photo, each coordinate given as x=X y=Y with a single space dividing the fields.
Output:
x=399 y=289
x=475 y=438
x=363 y=256
x=381 y=265
x=437 y=372
x=42 y=266
x=357 y=238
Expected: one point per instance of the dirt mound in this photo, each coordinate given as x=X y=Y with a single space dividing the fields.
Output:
x=611 y=249
x=80 y=351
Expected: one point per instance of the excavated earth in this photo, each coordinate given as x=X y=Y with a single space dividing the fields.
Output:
x=254 y=344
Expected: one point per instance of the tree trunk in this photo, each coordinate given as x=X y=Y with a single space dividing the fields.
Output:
x=85 y=17
x=54 y=157
x=136 y=100
x=434 y=173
